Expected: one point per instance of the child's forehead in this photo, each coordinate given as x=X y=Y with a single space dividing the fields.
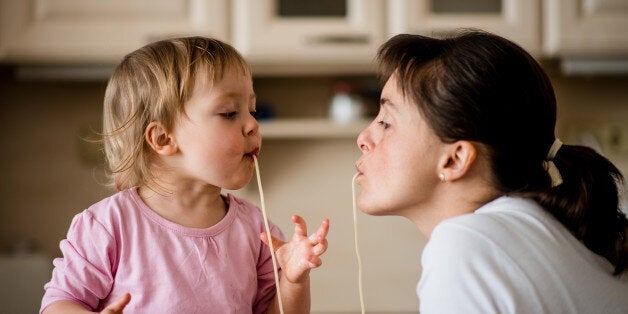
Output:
x=212 y=74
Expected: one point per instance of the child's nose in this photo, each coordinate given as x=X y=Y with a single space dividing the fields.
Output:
x=251 y=126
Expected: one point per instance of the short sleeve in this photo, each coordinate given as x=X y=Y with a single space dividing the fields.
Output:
x=84 y=273
x=464 y=272
x=265 y=275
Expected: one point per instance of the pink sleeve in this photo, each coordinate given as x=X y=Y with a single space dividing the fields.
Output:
x=265 y=275
x=85 y=272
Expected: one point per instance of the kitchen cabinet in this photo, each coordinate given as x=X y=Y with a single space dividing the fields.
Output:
x=300 y=36
x=577 y=28
x=513 y=19
x=343 y=35
x=88 y=31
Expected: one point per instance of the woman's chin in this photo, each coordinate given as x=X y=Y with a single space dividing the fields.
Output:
x=371 y=208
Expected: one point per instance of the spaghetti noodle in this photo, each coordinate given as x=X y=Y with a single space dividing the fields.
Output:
x=357 y=250
x=268 y=235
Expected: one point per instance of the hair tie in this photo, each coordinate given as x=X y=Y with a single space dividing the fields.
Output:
x=549 y=165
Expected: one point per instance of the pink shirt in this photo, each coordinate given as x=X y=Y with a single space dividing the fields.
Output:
x=120 y=245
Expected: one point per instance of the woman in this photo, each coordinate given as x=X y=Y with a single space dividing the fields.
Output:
x=464 y=147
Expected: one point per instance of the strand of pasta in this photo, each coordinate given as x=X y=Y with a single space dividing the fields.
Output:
x=270 y=242
x=357 y=250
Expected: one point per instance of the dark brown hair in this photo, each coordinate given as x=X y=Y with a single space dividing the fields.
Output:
x=483 y=88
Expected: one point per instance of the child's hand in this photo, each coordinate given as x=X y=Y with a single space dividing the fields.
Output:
x=302 y=253
x=117 y=306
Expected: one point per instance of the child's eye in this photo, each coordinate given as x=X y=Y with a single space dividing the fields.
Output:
x=385 y=125
x=229 y=115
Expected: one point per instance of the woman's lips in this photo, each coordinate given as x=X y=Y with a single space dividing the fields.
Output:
x=254 y=152
x=359 y=172
x=357 y=167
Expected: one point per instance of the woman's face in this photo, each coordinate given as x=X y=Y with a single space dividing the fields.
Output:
x=397 y=171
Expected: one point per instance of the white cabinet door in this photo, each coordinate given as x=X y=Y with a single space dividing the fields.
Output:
x=266 y=35
x=585 y=27
x=74 y=31
x=517 y=20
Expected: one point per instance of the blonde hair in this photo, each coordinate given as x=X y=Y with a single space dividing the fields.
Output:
x=152 y=84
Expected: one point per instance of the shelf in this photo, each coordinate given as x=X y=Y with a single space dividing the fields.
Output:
x=309 y=128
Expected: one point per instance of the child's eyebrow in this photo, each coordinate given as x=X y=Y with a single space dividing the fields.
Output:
x=238 y=95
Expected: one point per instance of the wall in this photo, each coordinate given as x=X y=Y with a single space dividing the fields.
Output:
x=49 y=174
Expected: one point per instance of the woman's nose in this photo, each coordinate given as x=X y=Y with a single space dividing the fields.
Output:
x=364 y=142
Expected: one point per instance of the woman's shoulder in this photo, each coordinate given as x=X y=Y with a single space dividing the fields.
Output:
x=499 y=217
x=501 y=225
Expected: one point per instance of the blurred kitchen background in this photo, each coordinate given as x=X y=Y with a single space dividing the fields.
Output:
x=314 y=76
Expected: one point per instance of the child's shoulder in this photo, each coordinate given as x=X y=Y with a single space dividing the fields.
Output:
x=241 y=203
x=245 y=209
x=250 y=214
x=128 y=196
x=114 y=206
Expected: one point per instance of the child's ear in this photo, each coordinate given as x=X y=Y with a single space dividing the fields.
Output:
x=457 y=161
x=159 y=139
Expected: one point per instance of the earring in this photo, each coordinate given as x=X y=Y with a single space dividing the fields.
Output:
x=441 y=177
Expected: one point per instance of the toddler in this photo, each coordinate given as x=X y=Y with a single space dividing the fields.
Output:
x=179 y=127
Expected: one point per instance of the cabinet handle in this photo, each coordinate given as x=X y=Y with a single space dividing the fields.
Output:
x=338 y=39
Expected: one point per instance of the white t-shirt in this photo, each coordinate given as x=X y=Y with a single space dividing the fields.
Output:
x=511 y=256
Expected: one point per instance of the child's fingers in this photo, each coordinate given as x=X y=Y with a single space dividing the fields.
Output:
x=300 y=227
x=321 y=233
x=320 y=248
x=276 y=242
x=118 y=305
x=315 y=262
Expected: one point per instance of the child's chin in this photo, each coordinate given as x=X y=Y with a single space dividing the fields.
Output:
x=237 y=185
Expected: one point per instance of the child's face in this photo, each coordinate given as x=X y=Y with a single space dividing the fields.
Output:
x=398 y=166
x=219 y=135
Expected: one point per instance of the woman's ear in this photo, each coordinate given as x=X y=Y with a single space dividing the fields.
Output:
x=457 y=161
x=159 y=139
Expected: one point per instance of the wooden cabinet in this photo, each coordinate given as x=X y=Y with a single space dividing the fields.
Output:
x=301 y=36
x=577 y=28
x=82 y=31
x=513 y=19
x=283 y=32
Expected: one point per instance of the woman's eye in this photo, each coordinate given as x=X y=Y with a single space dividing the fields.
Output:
x=229 y=115
x=255 y=114
x=385 y=125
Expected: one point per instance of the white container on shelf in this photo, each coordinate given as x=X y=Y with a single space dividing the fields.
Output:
x=345 y=106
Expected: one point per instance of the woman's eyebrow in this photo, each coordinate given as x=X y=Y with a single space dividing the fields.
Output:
x=386 y=102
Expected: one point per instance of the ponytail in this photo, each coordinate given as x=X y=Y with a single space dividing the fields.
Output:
x=484 y=88
x=587 y=203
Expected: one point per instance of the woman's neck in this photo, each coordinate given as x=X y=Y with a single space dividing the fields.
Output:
x=451 y=199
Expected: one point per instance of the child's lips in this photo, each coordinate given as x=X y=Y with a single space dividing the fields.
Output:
x=255 y=152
